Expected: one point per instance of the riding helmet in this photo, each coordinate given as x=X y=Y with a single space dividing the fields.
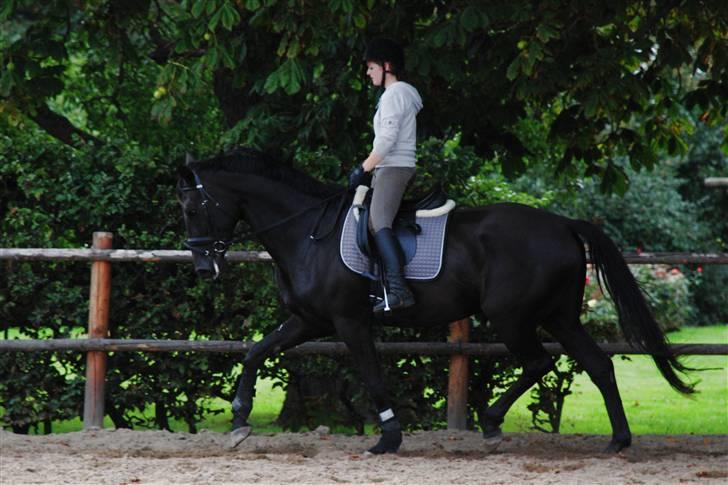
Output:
x=386 y=50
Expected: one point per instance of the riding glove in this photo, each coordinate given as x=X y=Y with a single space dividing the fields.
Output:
x=359 y=177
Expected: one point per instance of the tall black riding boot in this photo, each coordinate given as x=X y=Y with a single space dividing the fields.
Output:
x=398 y=295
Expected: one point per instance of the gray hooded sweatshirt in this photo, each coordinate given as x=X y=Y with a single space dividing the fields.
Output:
x=395 y=125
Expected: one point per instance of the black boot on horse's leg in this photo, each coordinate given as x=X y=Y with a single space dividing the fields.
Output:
x=398 y=294
x=391 y=437
x=242 y=406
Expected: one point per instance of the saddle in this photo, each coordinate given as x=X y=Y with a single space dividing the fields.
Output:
x=430 y=212
x=404 y=227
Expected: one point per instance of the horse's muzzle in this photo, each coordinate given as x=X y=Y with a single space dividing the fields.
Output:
x=209 y=267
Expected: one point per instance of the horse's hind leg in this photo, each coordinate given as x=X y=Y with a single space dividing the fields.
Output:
x=580 y=345
x=536 y=362
x=289 y=334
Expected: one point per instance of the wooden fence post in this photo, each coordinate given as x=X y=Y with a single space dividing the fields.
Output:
x=457 y=388
x=98 y=327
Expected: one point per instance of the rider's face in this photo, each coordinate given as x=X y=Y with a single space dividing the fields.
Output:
x=374 y=71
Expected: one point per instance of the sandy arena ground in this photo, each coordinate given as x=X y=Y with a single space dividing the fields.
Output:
x=139 y=457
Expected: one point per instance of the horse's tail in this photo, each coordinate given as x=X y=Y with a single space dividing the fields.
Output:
x=635 y=316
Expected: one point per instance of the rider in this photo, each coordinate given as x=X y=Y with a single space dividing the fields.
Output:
x=391 y=163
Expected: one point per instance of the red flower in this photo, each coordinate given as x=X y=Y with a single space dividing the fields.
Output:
x=700 y=269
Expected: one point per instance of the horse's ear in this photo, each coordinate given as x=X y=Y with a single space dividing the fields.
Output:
x=186 y=175
x=189 y=158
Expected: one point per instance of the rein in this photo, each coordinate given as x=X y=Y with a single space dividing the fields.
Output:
x=209 y=245
x=325 y=203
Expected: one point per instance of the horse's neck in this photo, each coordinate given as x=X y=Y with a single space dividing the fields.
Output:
x=284 y=220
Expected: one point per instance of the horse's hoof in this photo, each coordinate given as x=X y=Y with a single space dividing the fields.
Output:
x=615 y=446
x=492 y=432
x=492 y=439
x=380 y=449
x=238 y=435
x=389 y=442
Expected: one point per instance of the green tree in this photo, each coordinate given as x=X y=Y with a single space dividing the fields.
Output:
x=287 y=74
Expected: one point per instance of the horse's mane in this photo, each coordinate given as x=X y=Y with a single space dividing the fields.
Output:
x=248 y=160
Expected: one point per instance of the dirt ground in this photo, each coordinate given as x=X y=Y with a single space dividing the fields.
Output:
x=138 y=457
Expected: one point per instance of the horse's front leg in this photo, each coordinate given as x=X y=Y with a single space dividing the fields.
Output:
x=358 y=338
x=289 y=334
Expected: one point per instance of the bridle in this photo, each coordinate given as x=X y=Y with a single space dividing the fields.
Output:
x=212 y=245
x=208 y=245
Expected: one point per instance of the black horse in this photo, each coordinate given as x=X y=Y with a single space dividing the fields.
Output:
x=519 y=266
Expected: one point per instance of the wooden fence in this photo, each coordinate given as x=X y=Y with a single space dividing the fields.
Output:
x=716 y=182
x=96 y=345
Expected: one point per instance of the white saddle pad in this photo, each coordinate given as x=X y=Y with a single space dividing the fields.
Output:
x=426 y=263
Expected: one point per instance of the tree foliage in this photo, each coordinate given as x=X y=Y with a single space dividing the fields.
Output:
x=288 y=74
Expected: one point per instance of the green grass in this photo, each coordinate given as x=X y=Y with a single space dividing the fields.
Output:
x=652 y=406
x=267 y=406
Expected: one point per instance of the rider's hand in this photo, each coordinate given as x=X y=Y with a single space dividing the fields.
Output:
x=359 y=177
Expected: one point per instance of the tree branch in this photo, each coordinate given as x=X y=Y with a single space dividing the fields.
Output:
x=60 y=128
x=234 y=103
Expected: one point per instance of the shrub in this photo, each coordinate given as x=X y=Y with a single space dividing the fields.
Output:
x=56 y=197
x=666 y=288
x=709 y=285
x=651 y=215
x=707 y=158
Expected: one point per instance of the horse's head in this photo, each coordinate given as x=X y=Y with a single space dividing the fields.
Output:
x=209 y=220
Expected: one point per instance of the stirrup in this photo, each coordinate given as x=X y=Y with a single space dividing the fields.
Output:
x=389 y=304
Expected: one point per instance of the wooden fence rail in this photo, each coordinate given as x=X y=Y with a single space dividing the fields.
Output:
x=173 y=256
x=97 y=346
x=716 y=182
x=328 y=348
